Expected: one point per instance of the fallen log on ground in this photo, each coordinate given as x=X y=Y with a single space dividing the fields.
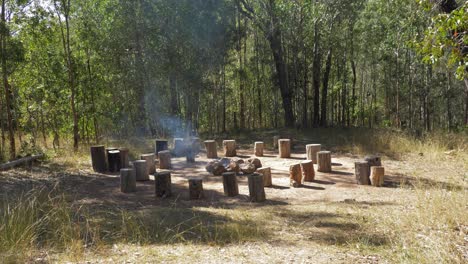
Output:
x=18 y=162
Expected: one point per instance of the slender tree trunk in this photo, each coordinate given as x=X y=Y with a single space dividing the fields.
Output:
x=6 y=85
x=316 y=76
x=323 y=113
x=466 y=101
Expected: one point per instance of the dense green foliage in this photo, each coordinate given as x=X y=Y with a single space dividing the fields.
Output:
x=92 y=68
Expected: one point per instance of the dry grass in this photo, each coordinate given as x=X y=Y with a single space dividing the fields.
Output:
x=425 y=221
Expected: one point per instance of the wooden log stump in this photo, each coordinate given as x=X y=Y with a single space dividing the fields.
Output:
x=165 y=160
x=211 y=149
x=179 y=147
x=162 y=184
x=113 y=159
x=161 y=145
x=284 y=146
x=98 y=158
x=124 y=160
x=308 y=173
x=229 y=147
x=258 y=148
x=361 y=171
x=195 y=145
x=324 y=161
x=141 y=170
x=373 y=160
x=230 y=184
x=377 y=176
x=312 y=150
x=266 y=172
x=195 y=189
x=150 y=162
x=256 y=188
x=295 y=175
x=127 y=180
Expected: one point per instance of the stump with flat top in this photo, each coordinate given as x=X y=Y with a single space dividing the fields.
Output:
x=295 y=175
x=179 y=147
x=361 y=171
x=113 y=159
x=284 y=148
x=308 y=173
x=127 y=180
x=141 y=171
x=124 y=160
x=196 y=188
x=266 y=172
x=211 y=149
x=373 y=160
x=229 y=147
x=98 y=158
x=311 y=150
x=377 y=176
x=150 y=162
x=162 y=184
x=165 y=160
x=258 y=148
x=256 y=188
x=230 y=184
x=324 y=161
x=161 y=145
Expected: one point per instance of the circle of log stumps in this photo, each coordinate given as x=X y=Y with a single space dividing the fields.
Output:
x=256 y=188
x=311 y=150
x=266 y=172
x=162 y=184
x=258 y=148
x=127 y=180
x=195 y=189
x=211 y=149
x=124 y=160
x=377 y=176
x=141 y=170
x=98 y=158
x=150 y=162
x=179 y=147
x=160 y=145
x=230 y=184
x=307 y=169
x=113 y=159
x=229 y=147
x=284 y=146
x=165 y=160
x=324 y=161
x=295 y=175
x=361 y=171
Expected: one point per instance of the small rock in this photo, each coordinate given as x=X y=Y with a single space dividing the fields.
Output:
x=248 y=168
x=218 y=169
x=234 y=167
x=256 y=162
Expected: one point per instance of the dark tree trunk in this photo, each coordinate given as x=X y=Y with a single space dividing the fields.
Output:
x=316 y=77
x=326 y=76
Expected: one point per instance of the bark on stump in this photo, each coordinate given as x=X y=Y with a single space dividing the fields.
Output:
x=165 y=160
x=256 y=188
x=124 y=160
x=113 y=159
x=196 y=188
x=229 y=147
x=161 y=145
x=373 y=161
x=162 y=184
x=179 y=147
x=230 y=184
x=211 y=149
x=377 y=176
x=284 y=146
x=127 y=180
x=361 y=171
x=258 y=148
x=308 y=173
x=141 y=171
x=295 y=175
x=266 y=172
x=324 y=161
x=98 y=158
x=150 y=162
x=312 y=150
